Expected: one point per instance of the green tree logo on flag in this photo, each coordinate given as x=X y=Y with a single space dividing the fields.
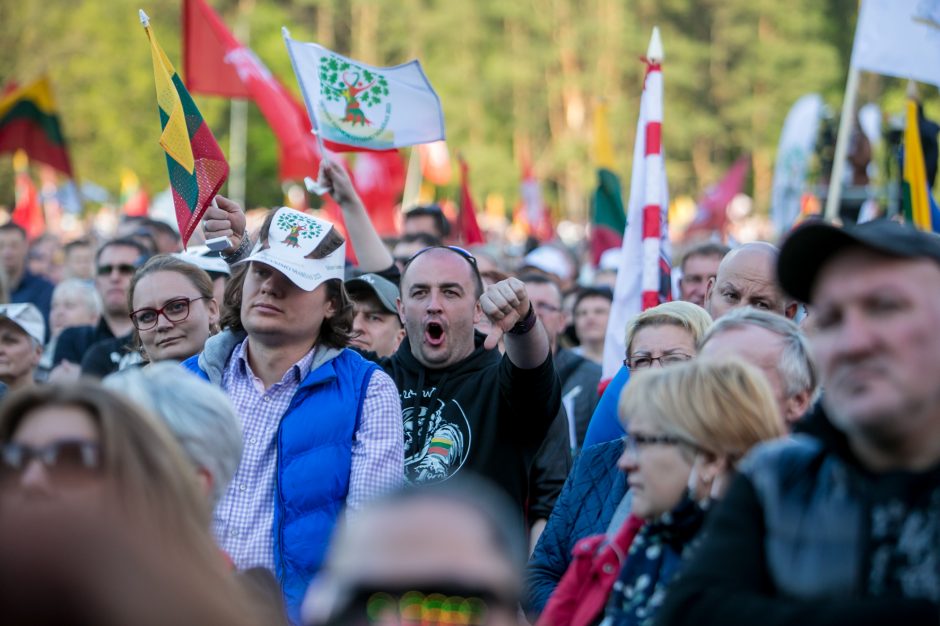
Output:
x=342 y=81
x=298 y=227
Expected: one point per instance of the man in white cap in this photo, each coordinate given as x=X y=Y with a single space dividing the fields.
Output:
x=321 y=425
x=22 y=331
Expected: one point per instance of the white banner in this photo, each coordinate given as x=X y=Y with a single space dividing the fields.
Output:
x=797 y=142
x=899 y=38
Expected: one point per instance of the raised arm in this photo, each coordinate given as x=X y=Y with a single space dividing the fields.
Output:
x=372 y=254
x=507 y=306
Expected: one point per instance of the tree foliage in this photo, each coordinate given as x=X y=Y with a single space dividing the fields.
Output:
x=518 y=80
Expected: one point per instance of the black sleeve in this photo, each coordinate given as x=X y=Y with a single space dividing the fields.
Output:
x=391 y=274
x=97 y=362
x=69 y=345
x=549 y=469
x=534 y=395
x=727 y=581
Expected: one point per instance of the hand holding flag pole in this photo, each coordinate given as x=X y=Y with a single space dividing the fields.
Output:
x=195 y=163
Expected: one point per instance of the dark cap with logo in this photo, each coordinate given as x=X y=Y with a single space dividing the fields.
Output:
x=384 y=289
x=809 y=247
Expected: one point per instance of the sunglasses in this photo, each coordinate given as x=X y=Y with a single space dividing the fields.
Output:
x=174 y=311
x=439 y=605
x=62 y=460
x=125 y=269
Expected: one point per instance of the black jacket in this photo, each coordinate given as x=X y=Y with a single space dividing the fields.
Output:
x=793 y=542
x=482 y=415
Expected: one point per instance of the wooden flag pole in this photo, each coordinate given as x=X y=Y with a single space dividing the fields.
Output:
x=834 y=197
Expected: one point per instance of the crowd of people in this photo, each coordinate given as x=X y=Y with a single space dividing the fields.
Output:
x=273 y=435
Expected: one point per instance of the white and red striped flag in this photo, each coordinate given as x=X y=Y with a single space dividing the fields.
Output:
x=643 y=276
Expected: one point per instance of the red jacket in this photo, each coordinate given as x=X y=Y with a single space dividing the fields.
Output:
x=583 y=591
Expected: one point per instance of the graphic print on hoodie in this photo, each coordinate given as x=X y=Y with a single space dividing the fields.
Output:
x=482 y=415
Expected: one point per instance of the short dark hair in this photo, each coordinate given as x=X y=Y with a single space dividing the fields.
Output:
x=13 y=226
x=593 y=292
x=705 y=248
x=425 y=239
x=77 y=243
x=127 y=242
x=466 y=256
x=433 y=211
x=162 y=228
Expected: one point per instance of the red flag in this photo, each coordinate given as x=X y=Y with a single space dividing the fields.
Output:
x=712 y=215
x=468 y=228
x=27 y=212
x=379 y=177
x=216 y=63
x=435 y=162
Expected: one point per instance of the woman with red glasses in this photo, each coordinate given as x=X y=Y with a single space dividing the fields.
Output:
x=173 y=309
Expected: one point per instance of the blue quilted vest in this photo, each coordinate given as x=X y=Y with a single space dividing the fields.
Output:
x=314 y=445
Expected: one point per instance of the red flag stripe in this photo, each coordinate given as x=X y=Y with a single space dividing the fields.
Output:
x=654 y=132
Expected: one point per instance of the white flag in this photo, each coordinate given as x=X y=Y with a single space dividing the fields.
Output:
x=797 y=142
x=899 y=38
x=357 y=106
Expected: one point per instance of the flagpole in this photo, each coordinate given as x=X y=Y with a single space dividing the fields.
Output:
x=834 y=197
x=238 y=124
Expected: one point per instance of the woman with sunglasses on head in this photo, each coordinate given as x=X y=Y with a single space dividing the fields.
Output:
x=688 y=427
x=84 y=456
x=172 y=308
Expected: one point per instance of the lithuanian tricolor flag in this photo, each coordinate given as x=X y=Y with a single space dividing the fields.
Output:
x=919 y=207
x=608 y=218
x=196 y=165
x=28 y=122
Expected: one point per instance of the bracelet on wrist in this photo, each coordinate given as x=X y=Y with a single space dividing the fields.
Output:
x=526 y=324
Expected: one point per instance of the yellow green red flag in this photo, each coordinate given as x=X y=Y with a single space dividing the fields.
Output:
x=916 y=194
x=195 y=163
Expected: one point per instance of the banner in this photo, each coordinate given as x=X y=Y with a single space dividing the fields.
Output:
x=899 y=38
x=797 y=143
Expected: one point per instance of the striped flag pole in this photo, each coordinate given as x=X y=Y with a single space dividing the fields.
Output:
x=643 y=276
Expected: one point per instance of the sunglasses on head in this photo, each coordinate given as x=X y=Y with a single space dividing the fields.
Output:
x=62 y=460
x=125 y=269
x=472 y=260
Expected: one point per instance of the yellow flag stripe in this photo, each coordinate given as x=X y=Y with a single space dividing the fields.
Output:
x=915 y=172
x=175 y=137
x=603 y=149
x=39 y=92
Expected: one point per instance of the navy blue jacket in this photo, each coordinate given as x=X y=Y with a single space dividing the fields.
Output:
x=585 y=507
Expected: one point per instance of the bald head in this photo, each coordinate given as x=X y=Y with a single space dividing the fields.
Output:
x=747 y=277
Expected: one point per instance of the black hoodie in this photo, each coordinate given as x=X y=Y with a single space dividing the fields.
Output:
x=482 y=415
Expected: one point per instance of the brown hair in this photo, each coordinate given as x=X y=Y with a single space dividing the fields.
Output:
x=149 y=485
x=169 y=263
x=335 y=332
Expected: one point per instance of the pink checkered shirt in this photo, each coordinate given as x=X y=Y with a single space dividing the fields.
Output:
x=243 y=520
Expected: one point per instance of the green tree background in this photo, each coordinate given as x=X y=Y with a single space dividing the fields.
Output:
x=517 y=79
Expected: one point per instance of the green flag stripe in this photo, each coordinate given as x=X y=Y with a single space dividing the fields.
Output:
x=27 y=110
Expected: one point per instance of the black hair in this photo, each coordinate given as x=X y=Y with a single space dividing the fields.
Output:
x=435 y=212
x=13 y=226
x=706 y=248
x=128 y=242
x=593 y=292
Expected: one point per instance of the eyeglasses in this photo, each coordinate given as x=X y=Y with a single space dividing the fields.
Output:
x=635 y=442
x=645 y=362
x=174 y=311
x=62 y=459
x=125 y=269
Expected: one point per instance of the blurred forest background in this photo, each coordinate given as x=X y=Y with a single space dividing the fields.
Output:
x=517 y=80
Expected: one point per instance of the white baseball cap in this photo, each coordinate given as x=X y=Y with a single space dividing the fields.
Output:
x=293 y=236
x=27 y=317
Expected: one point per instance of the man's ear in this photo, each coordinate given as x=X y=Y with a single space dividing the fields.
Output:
x=401 y=311
x=790 y=309
x=477 y=312
x=709 y=286
x=796 y=406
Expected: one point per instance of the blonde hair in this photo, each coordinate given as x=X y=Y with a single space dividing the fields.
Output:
x=724 y=407
x=691 y=317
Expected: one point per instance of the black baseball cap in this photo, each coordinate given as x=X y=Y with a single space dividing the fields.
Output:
x=810 y=246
